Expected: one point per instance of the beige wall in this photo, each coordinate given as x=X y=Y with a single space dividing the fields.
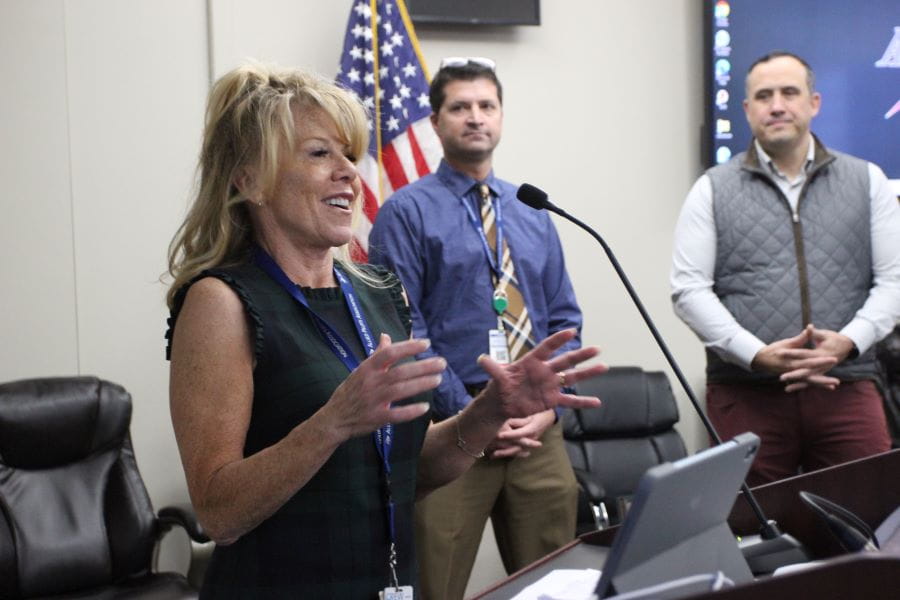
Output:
x=101 y=117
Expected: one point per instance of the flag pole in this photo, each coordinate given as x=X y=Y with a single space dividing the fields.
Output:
x=414 y=40
x=373 y=5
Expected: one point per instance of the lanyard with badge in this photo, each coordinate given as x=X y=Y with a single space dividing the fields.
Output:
x=497 y=344
x=384 y=436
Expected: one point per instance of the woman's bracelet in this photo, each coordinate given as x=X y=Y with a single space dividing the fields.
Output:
x=461 y=443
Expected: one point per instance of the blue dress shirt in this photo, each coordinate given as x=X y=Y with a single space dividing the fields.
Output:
x=424 y=235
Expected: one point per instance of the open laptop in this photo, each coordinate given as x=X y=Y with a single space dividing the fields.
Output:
x=677 y=524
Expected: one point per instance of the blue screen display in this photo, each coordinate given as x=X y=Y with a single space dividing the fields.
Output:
x=854 y=49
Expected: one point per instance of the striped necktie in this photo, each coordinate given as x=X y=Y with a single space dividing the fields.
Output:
x=516 y=323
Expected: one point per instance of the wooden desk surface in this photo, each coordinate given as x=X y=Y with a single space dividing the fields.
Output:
x=868 y=487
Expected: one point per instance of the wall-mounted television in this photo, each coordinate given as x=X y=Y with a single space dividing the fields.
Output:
x=475 y=12
x=854 y=49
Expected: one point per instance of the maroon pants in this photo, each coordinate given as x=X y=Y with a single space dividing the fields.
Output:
x=804 y=430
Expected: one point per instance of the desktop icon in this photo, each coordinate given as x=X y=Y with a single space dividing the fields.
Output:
x=722 y=9
x=723 y=127
x=722 y=99
x=723 y=154
x=723 y=70
x=720 y=12
x=722 y=40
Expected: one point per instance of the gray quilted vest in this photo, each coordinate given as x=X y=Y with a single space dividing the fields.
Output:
x=775 y=274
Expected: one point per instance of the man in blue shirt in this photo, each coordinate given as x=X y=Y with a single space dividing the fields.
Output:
x=440 y=235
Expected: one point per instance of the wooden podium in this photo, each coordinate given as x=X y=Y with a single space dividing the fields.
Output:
x=869 y=487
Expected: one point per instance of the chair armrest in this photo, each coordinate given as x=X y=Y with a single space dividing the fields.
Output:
x=201 y=547
x=591 y=484
x=183 y=516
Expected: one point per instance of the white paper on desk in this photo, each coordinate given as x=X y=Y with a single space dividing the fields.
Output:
x=562 y=584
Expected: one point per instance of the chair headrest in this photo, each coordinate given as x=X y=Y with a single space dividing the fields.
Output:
x=50 y=422
x=634 y=403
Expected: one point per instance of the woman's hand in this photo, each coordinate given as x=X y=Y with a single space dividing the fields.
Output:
x=533 y=383
x=362 y=403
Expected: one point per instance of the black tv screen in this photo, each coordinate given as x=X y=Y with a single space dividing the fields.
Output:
x=854 y=49
x=475 y=12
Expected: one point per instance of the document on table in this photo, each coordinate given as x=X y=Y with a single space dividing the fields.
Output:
x=562 y=584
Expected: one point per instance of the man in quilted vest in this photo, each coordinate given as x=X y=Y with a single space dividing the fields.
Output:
x=787 y=267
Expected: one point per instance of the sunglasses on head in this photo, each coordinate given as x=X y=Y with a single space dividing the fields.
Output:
x=462 y=61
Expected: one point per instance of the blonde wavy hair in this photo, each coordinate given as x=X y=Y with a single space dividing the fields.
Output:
x=250 y=123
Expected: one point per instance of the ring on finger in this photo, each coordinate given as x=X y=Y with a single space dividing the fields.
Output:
x=562 y=379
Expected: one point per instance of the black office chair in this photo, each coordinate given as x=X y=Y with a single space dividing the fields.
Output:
x=888 y=353
x=612 y=446
x=75 y=517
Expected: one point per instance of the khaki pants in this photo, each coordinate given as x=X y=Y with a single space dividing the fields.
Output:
x=532 y=505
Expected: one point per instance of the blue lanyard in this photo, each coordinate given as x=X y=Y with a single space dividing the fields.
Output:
x=496 y=264
x=384 y=436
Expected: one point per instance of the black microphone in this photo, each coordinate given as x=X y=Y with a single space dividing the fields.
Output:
x=776 y=547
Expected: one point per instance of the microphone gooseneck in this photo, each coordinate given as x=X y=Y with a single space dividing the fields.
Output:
x=537 y=199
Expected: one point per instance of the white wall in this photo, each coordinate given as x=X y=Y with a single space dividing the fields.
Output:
x=101 y=119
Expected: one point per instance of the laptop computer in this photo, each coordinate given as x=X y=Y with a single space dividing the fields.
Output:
x=677 y=524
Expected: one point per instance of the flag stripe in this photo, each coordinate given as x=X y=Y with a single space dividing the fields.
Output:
x=419 y=158
x=404 y=151
x=393 y=167
x=370 y=203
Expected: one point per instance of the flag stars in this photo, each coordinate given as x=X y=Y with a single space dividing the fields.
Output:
x=383 y=72
x=393 y=124
x=367 y=33
x=404 y=91
x=369 y=56
x=387 y=49
x=369 y=78
x=397 y=80
x=388 y=28
x=357 y=31
x=396 y=102
x=356 y=52
x=423 y=100
x=353 y=75
x=369 y=102
x=409 y=70
x=397 y=39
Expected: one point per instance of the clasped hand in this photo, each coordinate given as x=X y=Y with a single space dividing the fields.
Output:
x=800 y=365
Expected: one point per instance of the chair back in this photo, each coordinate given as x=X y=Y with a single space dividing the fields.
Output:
x=631 y=431
x=888 y=353
x=75 y=512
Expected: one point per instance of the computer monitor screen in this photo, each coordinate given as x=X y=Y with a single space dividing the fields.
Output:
x=475 y=12
x=854 y=50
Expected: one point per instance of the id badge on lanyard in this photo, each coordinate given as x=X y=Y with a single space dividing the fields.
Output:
x=403 y=592
x=498 y=347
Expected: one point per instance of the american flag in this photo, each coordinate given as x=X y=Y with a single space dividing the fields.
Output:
x=382 y=64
